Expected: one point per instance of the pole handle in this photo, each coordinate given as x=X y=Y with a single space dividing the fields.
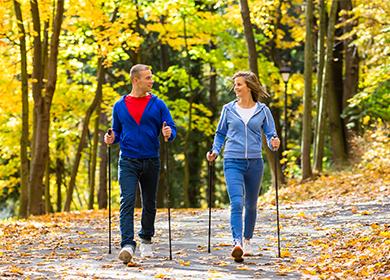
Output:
x=164 y=125
x=109 y=132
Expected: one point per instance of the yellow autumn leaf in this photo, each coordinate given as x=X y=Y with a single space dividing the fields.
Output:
x=385 y=234
x=301 y=214
x=222 y=263
x=17 y=270
x=366 y=120
x=214 y=274
x=184 y=263
x=243 y=267
x=285 y=253
x=132 y=264
x=364 y=272
x=223 y=244
x=160 y=275
x=326 y=256
x=310 y=271
x=374 y=226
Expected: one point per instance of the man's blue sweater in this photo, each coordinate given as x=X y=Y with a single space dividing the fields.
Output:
x=141 y=141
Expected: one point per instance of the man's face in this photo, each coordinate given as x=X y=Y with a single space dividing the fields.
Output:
x=145 y=81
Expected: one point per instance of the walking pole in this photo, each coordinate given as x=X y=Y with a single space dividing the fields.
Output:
x=109 y=131
x=277 y=200
x=211 y=183
x=168 y=194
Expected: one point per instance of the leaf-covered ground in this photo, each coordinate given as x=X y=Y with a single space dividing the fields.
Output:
x=320 y=239
x=334 y=227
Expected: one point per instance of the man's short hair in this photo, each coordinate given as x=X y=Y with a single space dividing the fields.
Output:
x=136 y=69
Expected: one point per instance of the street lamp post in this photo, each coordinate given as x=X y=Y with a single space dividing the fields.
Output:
x=285 y=72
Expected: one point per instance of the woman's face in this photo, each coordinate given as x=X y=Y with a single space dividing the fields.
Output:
x=240 y=88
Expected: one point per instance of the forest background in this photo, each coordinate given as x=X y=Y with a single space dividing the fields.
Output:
x=65 y=63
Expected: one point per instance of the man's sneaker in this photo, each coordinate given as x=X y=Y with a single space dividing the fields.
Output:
x=237 y=253
x=146 y=249
x=126 y=254
x=248 y=251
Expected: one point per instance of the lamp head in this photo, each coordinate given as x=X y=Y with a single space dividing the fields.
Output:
x=285 y=72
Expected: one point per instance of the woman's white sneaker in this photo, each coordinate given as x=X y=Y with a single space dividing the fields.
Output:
x=146 y=249
x=248 y=250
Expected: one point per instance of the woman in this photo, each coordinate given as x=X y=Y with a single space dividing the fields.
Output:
x=241 y=123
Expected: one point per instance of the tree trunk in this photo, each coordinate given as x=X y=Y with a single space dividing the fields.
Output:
x=335 y=94
x=306 y=122
x=88 y=114
x=102 y=193
x=250 y=40
x=59 y=175
x=94 y=159
x=48 y=205
x=45 y=48
x=213 y=103
x=186 y=179
x=195 y=167
x=351 y=70
x=45 y=57
x=35 y=203
x=162 y=185
x=327 y=79
x=252 y=57
x=42 y=104
x=274 y=52
x=24 y=162
x=194 y=151
x=318 y=135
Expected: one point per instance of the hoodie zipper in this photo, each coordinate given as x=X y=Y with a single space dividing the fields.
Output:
x=246 y=133
x=246 y=141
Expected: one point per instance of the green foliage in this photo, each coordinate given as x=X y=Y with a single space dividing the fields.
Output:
x=177 y=79
x=291 y=161
x=371 y=36
x=367 y=109
x=214 y=38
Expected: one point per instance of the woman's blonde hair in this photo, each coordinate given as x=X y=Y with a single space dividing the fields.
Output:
x=253 y=83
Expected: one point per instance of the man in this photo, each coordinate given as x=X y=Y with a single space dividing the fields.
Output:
x=137 y=120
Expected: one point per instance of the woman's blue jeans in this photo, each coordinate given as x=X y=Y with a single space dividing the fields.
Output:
x=133 y=173
x=243 y=179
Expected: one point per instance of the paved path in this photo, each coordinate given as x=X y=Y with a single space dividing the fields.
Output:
x=78 y=249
